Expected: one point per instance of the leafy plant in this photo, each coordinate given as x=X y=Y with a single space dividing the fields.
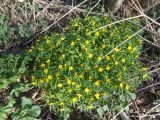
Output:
x=84 y=69
x=15 y=29
x=27 y=110
x=6 y=110
x=12 y=67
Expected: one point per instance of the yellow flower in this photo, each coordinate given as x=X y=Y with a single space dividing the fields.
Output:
x=127 y=87
x=129 y=48
x=97 y=96
x=73 y=43
x=124 y=68
x=90 y=107
x=33 y=77
x=93 y=23
x=99 y=58
x=88 y=33
x=73 y=83
x=129 y=37
x=48 y=61
x=100 y=69
x=108 y=80
x=49 y=77
x=62 y=38
x=134 y=49
x=78 y=39
x=57 y=74
x=123 y=60
x=46 y=71
x=74 y=100
x=103 y=46
x=97 y=83
x=78 y=86
x=48 y=41
x=144 y=69
x=145 y=76
x=69 y=82
x=60 y=66
x=30 y=50
x=117 y=49
x=83 y=47
x=42 y=65
x=60 y=85
x=108 y=68
x=82 y=65
x=97 y=34
x=90 y=56
x=86 y=49
x=86 y=42
x=76 y=24
x=116 y=63
x=62 y=109
x=91 y=99
x=41 y=81
x=86 y=90
x=121 y=85
x=62 y=103
x=50 y=103
x=70 y=68
x=108 y=58
x=33 y=83
x=79 y=95
x=119 y=78
x=70 y=90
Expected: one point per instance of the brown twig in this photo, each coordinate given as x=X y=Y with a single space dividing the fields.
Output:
x=100 y=14
x=137 y=110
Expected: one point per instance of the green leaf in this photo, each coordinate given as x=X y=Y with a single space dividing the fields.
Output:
x=22 y=70
x=105 y=108
x=100 y=112
x=3 y=116
x=35 y=111
x=122 y=98
x=26 y=102
x=131 y=96
x=1 y=86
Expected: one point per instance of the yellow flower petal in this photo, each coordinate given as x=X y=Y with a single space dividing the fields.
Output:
x=127 y=87
x=108 y=68
x=70 y=68
x=46 y=71
x=60 y=66
x=86 y=90
x=42 y=65
x=74 y=100
x=60 y=85
x=97 y=96
x=100 y=69
x=90 y=56
x=97 y=83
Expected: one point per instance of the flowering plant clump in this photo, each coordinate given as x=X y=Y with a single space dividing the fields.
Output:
x=82 y=68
